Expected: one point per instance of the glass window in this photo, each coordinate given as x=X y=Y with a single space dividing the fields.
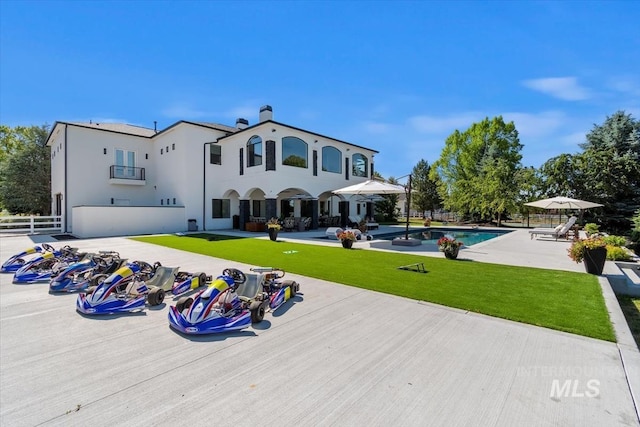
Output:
x=294 y=152
x=254 y=151
x=221 y=208
x=331 y=160
x=359 y=165
x=215 y=154
x=125 y=164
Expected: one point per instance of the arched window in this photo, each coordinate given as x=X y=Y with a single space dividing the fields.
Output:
x=294 y=152
x=254 y=151
x=331 y=159
x=359 y=165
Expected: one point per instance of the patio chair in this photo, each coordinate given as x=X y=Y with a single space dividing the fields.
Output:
x=559 y=231
x=289 y=223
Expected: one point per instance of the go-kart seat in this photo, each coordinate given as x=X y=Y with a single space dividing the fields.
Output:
x=251 y=286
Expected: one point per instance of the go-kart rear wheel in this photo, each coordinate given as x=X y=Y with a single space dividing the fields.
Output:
x=293 y=285
x=257 y=312
x=184 y=303
x=156 y=296
x=202 y=279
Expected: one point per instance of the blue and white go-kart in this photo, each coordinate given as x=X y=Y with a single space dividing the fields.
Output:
x=13 y=263
x=47 y=265
x=128 y=289
x=92 y=270
x=233 y=301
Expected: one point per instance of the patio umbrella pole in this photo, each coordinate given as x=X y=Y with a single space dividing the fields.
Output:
x=406 y=231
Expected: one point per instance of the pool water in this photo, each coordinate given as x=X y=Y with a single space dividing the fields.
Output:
x=431 y=235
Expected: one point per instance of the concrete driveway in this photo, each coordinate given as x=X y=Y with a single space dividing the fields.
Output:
x=334 y=355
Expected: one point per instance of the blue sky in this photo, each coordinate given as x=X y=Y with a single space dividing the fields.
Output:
x=398 y=77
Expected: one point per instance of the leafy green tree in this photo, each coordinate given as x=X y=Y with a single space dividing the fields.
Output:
x=387 y=207
x=561 y=176
x=477 y=169
x=25 y=172
x=424 y=190
x=610 y=170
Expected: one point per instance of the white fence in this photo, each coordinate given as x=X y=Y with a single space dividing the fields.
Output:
x=23 y=224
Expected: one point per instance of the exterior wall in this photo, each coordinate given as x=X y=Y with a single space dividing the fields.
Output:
x=286 y=181
x=103 y=221
x=180 y=169
x=179 y=175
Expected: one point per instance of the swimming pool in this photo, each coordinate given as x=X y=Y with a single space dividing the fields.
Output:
x=430 y=236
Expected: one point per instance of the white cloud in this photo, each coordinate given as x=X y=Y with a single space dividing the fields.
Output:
x=535 y=125
x=625 y=84
x=566 y=88
x=445 y=124
x=573 y=139
x=377 y=127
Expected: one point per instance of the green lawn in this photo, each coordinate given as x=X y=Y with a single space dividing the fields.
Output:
x=561 y=300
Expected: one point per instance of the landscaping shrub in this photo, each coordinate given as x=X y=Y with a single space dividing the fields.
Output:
x=617 y=253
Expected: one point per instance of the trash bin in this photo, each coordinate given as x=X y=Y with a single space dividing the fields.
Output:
x=192 y=225
x=236 y=222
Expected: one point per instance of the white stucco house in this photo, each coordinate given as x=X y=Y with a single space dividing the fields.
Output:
x=114 y=179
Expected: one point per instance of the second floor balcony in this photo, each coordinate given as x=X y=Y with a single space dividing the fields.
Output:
x=126 y=175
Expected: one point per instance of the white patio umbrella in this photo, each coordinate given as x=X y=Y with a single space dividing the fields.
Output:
x=560 y=202
x=371 y=187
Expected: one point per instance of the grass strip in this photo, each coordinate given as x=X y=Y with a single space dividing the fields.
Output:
x=561 y=300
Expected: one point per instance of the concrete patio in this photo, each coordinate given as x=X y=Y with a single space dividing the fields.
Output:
x=335 y=355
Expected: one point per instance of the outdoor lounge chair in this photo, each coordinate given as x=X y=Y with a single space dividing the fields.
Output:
x=559 y=231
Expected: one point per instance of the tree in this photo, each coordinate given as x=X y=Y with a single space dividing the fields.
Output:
x=25 y=177
x=610 y=170
x=387 y=207
x=477 y=169
x=424 y=194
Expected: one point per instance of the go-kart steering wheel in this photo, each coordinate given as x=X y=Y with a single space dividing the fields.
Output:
x=145 y=267
x=237 y=275
x=100 y=262
x=47 y=247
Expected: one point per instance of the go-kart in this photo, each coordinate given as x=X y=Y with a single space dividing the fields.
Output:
x=184 y=282
x=47 y=265
x=217 y=308
x=252 y=294
x=14 y=263
x=127 y=289
x=90 y=271
x=277 y=291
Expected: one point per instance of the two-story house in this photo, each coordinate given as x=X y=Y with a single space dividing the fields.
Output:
x=115 y=179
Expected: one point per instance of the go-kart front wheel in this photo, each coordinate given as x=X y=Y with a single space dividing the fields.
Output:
x=184 y=303
x=156 y=296
x=257 y=311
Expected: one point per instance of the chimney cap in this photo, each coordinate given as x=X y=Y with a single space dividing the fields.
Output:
x=266 y=108
x=242 y=121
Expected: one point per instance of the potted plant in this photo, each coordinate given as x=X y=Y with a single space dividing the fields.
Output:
x=449 y=246
x=591 y=229
x=592 y=251
x=273 y=226
x=347 y=238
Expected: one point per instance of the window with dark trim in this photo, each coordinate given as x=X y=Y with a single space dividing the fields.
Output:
x=294 y=152
x=215 y=154
x=359 y=165
x=331 y=160
x=220 y=208
x=254 y=151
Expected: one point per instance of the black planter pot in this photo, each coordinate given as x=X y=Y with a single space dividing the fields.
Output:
x=273 y=234
x=346 y=243
x=452 y=253
x=594 y=260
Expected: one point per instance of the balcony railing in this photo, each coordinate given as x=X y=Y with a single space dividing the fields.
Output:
x=126 y=172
